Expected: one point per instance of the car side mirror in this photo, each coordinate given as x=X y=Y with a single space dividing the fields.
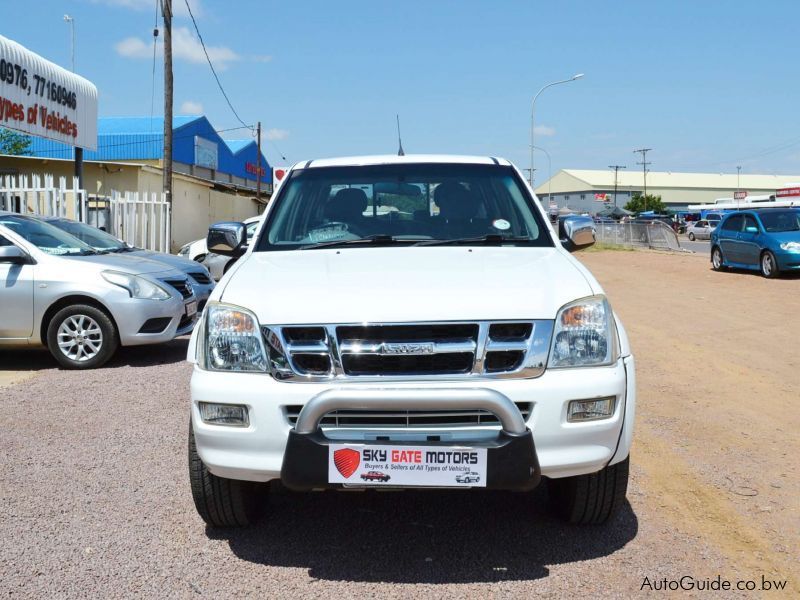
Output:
x=15 y=256
x=227 y=238
x=576 y=232
x=751 y=229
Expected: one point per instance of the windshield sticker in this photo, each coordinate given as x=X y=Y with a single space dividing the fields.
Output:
x=501 y=224
x=332 y=231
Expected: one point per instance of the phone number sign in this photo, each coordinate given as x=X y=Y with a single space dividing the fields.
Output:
x=40 y=98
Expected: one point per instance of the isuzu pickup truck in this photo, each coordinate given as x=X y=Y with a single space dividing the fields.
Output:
x=413 y=316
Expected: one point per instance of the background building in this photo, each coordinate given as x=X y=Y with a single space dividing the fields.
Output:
x=587 y=190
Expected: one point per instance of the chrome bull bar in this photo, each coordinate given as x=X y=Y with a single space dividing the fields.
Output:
x=492 y=401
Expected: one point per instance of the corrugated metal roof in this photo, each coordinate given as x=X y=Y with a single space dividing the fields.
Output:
x=141 y=125
x=667 y=179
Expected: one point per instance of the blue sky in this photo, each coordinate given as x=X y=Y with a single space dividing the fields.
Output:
x=707 y=84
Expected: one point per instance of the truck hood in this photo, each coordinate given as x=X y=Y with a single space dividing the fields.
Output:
x=404 y=284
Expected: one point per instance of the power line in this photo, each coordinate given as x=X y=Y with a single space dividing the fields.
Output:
x=202 y=43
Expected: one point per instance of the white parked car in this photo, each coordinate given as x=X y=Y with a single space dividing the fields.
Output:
x=57 y=291
x=197 y=249
x=700 y=230
x=454 y=335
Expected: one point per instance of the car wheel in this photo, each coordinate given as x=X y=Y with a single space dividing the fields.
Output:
x=717 y=261
x=82 y=337
x=769 y=268
x=590 y=499
x=222 y=502
x=691 y=237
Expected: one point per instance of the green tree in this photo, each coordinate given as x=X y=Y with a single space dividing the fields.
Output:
x=16 y=144
x=641 y=203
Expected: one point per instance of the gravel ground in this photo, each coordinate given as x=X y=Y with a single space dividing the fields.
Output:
x=95 y=501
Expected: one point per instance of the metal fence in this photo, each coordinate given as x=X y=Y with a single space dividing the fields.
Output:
x=654 y=234
x=139 y=218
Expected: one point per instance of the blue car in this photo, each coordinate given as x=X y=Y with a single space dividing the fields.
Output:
x=766 y=240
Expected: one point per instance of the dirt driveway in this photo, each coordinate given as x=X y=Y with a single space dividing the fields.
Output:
x=718 y=367
x=94 y=496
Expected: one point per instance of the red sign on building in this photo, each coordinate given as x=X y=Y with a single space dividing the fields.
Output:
x=792 y=191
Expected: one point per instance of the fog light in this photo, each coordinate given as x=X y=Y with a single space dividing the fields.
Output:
x=590 y=410
x=234 y=415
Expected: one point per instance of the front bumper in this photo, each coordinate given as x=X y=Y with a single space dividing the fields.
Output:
x=788 y=261
x=130 y=315
x=256 y=452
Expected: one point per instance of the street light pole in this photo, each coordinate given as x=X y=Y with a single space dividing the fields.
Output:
x=533 y=106
x=549 y=173
x=71 y=21
x=616 y=173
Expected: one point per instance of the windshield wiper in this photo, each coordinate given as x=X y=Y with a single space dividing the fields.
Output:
x=492 y=238
x=380 y=238
x=121 y=249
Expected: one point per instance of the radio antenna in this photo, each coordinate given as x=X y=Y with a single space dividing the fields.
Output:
x=399 y=139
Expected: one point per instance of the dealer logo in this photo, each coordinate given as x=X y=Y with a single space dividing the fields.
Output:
x=346 y=461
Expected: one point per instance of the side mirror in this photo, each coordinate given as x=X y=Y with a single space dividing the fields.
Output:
x=751 y=229
x=227 y=238
x=15 y=256
x=576 y=232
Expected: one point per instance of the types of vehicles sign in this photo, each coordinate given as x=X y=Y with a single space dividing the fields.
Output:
x=386 y=464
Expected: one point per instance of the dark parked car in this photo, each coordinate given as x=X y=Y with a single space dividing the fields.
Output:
x=766 y=240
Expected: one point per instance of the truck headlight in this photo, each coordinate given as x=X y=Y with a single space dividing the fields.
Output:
x=584 y=335
x=791 y=246
x=233 y=339
x=138 y=287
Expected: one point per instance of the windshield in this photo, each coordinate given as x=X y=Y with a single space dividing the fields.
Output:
x=776 y=221
x=45 y=237
x=96 y=238
x=403 y=204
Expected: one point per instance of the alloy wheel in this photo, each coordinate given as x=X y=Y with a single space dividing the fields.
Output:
x=767 y=266
x=79 y=338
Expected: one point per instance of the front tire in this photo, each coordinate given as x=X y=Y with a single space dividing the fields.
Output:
x=769 y=267
x=590 y=499
x=82 y=337
x=222 y=502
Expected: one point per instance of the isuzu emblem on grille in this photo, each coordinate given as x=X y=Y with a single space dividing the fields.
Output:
x=412 y=348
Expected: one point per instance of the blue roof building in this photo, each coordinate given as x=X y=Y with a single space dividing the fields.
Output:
x=197 y=149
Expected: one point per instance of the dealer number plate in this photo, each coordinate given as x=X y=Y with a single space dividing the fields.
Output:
x=191 y=308
x=407 y=466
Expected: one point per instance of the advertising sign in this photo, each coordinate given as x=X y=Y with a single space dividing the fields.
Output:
x=740 y=195
x=206 y=153
x=40 y=98
x=787 y=192
x=426 y=466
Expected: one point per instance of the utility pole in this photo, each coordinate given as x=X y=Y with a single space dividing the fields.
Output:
x=644 y=163
x=166 y=7
x=258 y=161
x=616 y=171
x=78 y=151
x=738 y=187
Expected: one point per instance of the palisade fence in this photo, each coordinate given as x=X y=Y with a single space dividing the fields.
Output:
x=655 y=234
x=141 y=219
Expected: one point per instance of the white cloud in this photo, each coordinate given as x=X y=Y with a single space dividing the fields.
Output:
x=544 y=130
x=190 y=107
x=133 y=47
x=262 y=58
x=184 y=47
x=276 y=134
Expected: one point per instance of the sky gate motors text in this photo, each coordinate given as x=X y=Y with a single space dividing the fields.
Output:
x=446 y=457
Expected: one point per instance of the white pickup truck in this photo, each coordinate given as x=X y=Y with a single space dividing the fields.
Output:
x=406 y=322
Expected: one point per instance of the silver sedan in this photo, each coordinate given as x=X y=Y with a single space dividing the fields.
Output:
x=56 y=291
x=105 y=242
x=700 y=230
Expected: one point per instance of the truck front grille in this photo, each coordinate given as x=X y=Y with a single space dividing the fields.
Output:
x=408 y=350
x=406 y=418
